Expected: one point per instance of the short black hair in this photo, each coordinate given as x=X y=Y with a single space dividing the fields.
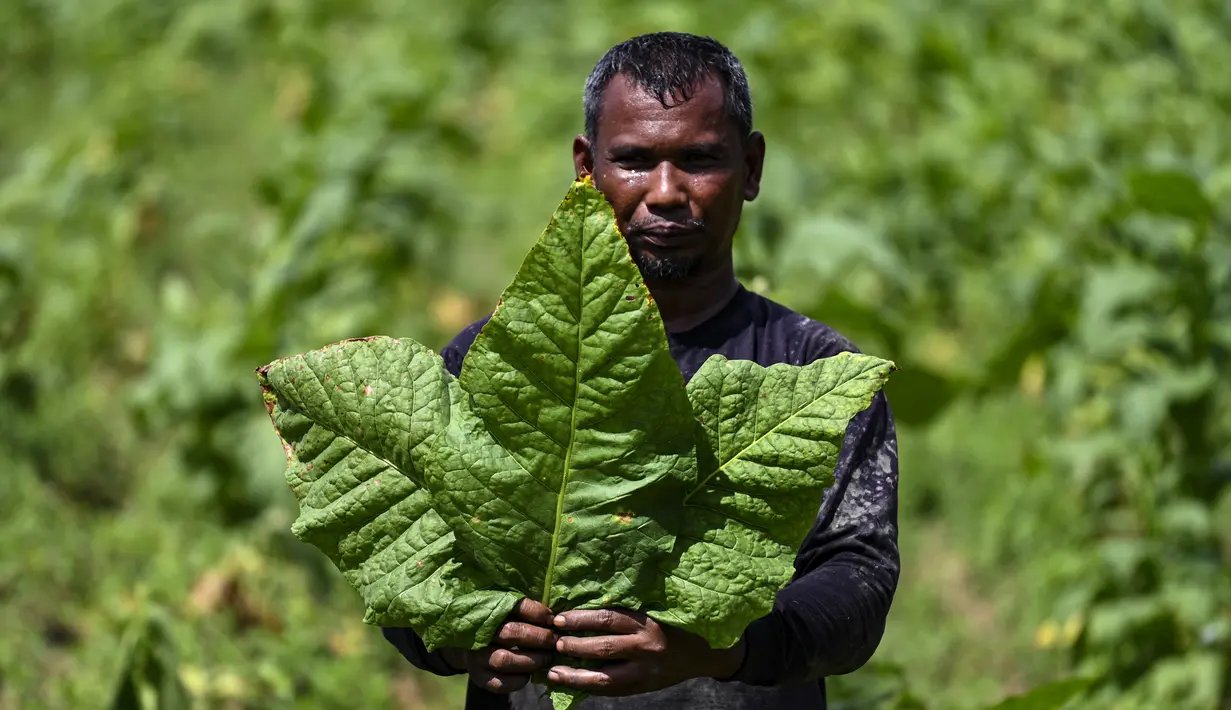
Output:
x=671 y=65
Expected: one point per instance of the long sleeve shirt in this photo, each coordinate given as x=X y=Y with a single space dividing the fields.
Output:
x=830 y=618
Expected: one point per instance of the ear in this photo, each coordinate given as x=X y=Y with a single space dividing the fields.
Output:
x=583 y=158
x=754 y=161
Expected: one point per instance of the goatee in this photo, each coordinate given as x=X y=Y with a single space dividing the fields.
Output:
x=665 y=269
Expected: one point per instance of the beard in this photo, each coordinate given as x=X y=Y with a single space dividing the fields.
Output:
x=665 y=269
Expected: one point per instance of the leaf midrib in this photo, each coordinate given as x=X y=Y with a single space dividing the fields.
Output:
x=572 y=430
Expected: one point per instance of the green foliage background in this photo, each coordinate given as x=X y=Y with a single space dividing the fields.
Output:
x=1022 y=204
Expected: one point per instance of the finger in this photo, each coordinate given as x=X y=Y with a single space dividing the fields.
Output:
x=522 y=635
x=498 y=682
x=611 y=621
x=532 y=611
x=617 y=679
x=502 y=660
x=602 y=648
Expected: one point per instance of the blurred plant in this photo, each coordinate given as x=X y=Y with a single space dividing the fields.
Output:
x=878 y=686
x=989 y=194
x=1049 y=696
x=149 y=673
x=1140 y=411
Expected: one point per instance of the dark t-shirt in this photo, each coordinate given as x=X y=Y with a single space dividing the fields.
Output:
x=831 y=617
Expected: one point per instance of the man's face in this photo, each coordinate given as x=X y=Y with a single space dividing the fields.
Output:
x=677 y=177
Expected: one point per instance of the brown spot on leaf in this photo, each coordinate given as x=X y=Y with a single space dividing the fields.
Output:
x=474 y=519
x=419 y=563
x=649 y=298
x=270 y=398
x=625 y=518
x=367 y=390
x=630 y=298
x=570 y=518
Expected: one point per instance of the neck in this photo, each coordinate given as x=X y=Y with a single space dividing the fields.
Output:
x=688 y=303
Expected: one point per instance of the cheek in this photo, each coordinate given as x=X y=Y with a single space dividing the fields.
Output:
x=622 y=192
x=721 y=201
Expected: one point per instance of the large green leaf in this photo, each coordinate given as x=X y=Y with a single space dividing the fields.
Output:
x=570 y=497
x=354 y=418
x=569 y=463
x=771 y=438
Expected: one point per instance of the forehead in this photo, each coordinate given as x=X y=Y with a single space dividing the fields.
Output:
x=631 y=114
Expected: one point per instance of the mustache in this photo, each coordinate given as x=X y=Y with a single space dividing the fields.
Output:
x=641 y=226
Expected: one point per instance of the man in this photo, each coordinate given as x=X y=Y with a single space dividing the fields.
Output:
x=669 y=141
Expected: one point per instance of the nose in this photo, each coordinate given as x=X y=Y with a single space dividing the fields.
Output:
x=667 y=190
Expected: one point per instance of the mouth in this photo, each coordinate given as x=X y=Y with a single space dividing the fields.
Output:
x=668 y=236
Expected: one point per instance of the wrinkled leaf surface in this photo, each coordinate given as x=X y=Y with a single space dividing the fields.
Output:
x=568 y=464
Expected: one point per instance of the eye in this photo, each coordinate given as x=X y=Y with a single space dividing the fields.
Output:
x=633 y=163
x=699 y=159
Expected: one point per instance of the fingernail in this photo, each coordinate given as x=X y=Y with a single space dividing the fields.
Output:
x=553 y=675
x=560 y=620
x=560 y=645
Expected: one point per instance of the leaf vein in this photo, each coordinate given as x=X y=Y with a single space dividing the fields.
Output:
x=759 y=439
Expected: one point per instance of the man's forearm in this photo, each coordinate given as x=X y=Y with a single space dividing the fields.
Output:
x=455 y=658
x=728 y=661
x=828 y=622
x=443 y=662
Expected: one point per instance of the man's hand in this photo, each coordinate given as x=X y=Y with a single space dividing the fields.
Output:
x=642 y=654
x=521 y=646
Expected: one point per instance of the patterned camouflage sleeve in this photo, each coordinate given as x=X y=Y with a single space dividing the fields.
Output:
x=831 y=617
